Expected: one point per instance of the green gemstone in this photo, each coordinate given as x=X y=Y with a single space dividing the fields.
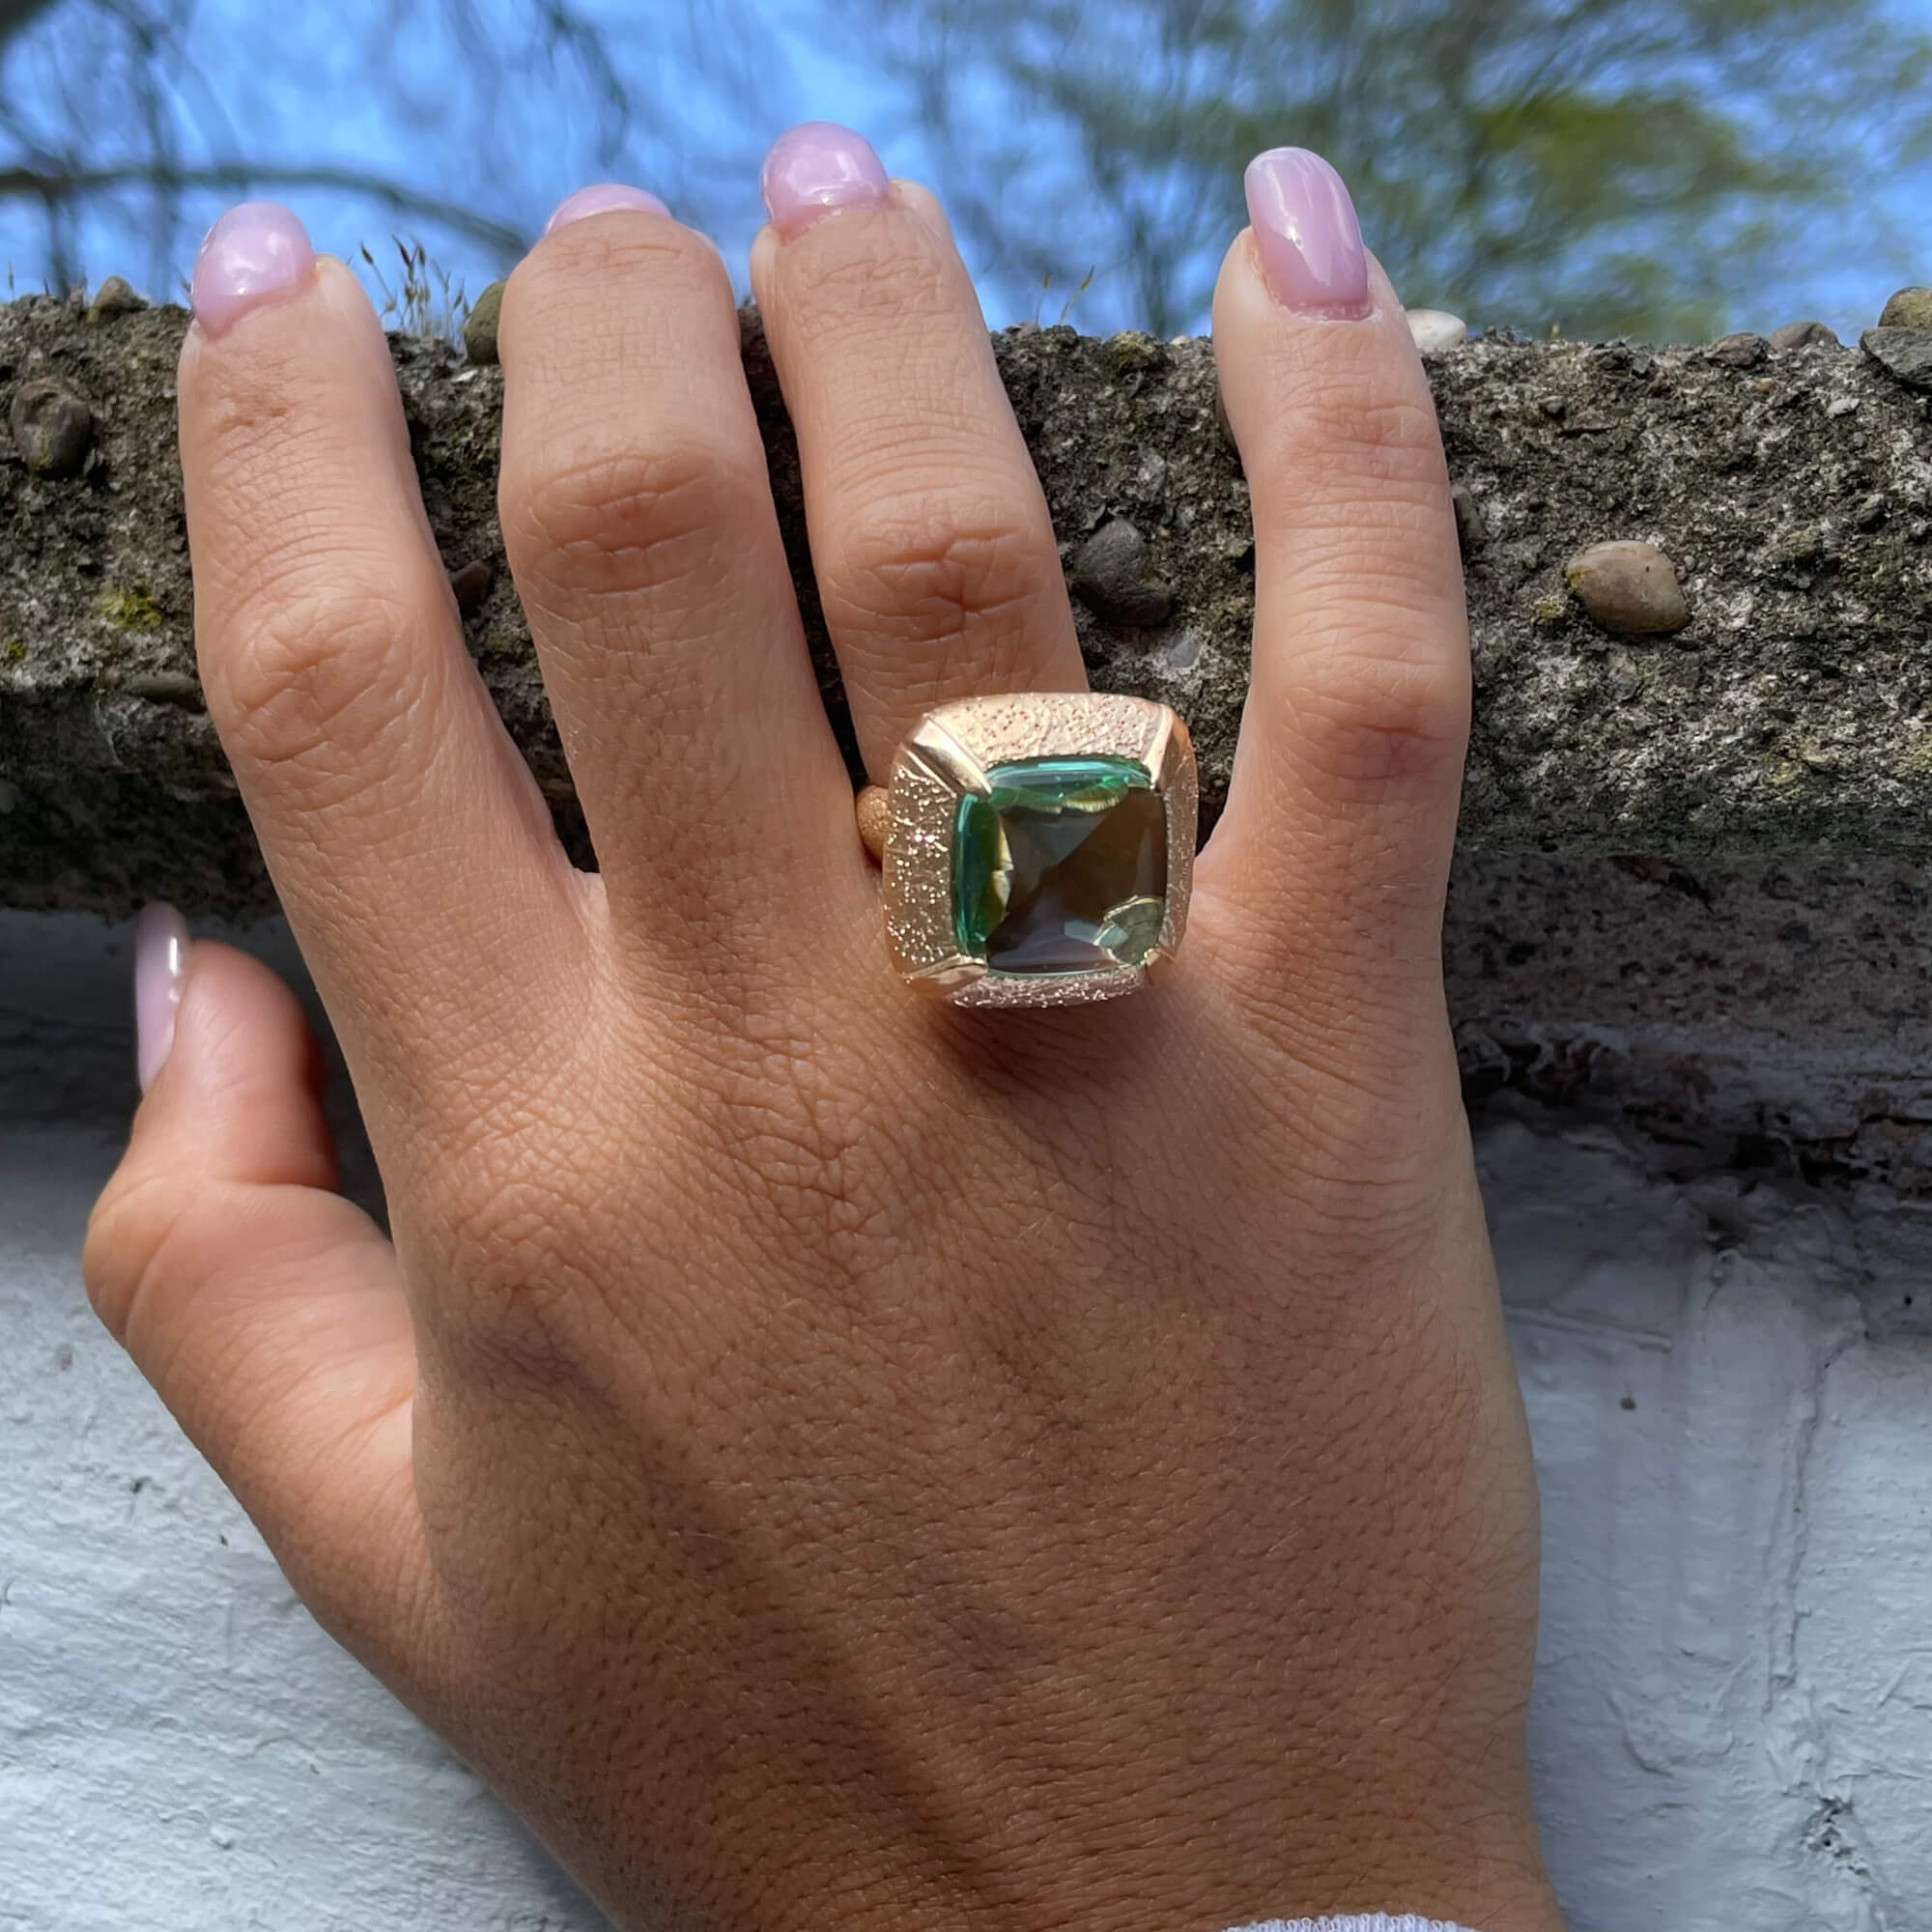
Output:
x=1062 y=867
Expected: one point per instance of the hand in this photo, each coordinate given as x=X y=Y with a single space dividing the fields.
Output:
x=827 y=1457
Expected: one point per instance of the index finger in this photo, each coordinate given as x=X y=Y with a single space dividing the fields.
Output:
x=403 y=833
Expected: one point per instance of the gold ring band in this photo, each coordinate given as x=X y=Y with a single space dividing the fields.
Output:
x=1037 y=850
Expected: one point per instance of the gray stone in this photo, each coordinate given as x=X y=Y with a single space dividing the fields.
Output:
x=479 y=327
x=1743 y=351
x=1905 y=352
x=1629 y=588
x=1435 y=330
x=471 y=585
x=1805 y=335
x=1472 y=529
x=1110 y=577
x=115 y=296
x=1909 y=308
x=52 y=427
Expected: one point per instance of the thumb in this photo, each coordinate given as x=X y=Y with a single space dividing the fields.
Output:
x=267 y=1310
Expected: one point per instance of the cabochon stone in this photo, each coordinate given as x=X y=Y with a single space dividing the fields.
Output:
x=1062 y=867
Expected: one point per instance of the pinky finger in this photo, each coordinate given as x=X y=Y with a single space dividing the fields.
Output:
x=267 y=1310
x=1341 y=817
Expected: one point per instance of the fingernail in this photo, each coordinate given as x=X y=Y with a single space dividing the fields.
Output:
x=815 y=170
x=596 y=200
x=1309 y=239
x=257 y=253
x=160 y=960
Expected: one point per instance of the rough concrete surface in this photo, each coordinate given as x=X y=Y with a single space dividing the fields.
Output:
x=1726 y=1379
x=1794 y=497
x=1709 y=837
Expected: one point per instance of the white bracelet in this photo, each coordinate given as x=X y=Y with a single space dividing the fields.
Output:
x=1373 y=1922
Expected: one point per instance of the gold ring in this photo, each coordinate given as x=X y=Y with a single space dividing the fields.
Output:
x=1037 y=850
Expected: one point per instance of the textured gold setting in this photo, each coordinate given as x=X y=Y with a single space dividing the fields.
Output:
x=949 y=754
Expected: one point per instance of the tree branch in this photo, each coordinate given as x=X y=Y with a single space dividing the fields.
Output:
x=16 y=15
x=66 y=184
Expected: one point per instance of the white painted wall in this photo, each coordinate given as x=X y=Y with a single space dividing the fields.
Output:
x=1732 y=1393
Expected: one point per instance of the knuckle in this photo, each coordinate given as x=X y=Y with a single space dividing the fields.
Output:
x=546 y=288
x=1369 y=717
x=1366 y=1174
x=111 y=1256
x=858 y=271
x=315 y=676
x=511 y=1234
x=1339 y=433
x=491 y=1227
x=131 y=1232
x=609 y=515
x=920 y=570
x=504 y=1244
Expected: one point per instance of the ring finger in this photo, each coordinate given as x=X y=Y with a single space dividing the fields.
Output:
x=931 y=537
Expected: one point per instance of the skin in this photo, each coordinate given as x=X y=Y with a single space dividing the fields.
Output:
x=827 y=1457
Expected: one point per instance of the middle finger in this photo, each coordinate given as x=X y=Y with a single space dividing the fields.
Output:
x=931 y=537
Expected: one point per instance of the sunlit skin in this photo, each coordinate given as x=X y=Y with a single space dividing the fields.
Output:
x=831 y=1458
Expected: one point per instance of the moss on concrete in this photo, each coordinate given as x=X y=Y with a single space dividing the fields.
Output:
x=128 y=608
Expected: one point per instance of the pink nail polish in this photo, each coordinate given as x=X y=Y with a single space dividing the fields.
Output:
x=257 y=253
x=816 y=169
x=597 y=200
x=160 y=960
x=1308 y=236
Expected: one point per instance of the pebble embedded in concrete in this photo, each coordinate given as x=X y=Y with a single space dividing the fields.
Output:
x=1472 y=527
x=479 y=327
x=1629 y=588
x=52 y=427
x=1436 y=329
x=1741 y=351
x=1109 y=576
x=471 y=585
x=115 y=296
x=1909 y=308
x=1805 y=335
x=1903 y=352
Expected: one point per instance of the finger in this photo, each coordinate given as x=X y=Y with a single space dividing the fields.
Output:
x=1342 y=809
x=931 y=537
x=403 y=831
x=265 y=1310
x=637 y=514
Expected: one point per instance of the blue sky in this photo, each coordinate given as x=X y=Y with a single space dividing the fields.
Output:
x=309 y=81
x=297 y=84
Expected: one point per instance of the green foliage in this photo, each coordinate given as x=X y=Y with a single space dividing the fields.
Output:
x=1598 y=167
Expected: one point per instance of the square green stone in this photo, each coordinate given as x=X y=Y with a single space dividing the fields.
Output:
x=1061 y=867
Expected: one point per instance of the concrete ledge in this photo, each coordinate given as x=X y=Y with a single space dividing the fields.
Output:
x=1672 y=846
